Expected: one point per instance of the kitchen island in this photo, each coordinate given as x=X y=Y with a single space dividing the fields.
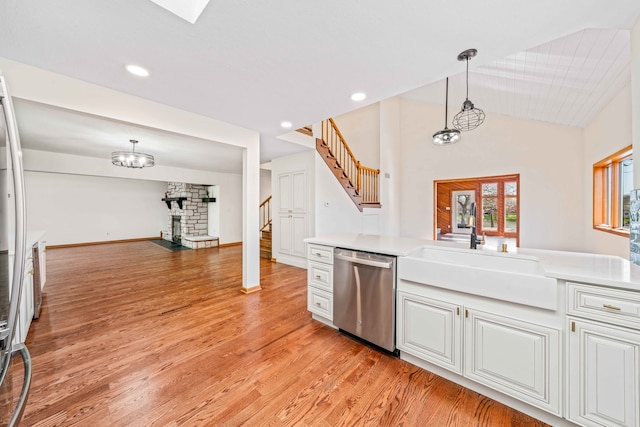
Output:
x=553 y=334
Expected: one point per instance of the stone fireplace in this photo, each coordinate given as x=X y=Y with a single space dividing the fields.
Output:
x=187 y=219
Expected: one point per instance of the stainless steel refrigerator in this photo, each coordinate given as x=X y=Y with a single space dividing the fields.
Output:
x=12 y=261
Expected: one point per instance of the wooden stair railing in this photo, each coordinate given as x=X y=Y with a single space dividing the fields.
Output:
x=360 y=182
x=265 y=229
x=265 y=214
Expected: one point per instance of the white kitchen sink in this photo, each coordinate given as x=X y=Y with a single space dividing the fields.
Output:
x=503 y=276
x=480 y=258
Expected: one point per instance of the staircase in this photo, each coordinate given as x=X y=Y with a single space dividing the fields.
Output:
x=265 y=244
x=360 y=182
x=265 y=229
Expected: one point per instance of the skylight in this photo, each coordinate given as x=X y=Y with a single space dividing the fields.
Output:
x=189 y=10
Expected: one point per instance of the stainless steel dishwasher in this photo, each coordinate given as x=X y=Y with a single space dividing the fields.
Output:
x=364 y=296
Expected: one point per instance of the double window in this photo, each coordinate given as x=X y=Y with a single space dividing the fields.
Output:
x=500 y=207
x=612 y=185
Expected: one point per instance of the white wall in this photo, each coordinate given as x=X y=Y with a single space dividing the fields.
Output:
x=229 y=198
x=608 y=132
x=547 y=157
x=265 y=184
x=390 y=149
x=361 y=130
x=81 y=209
x=335 y=211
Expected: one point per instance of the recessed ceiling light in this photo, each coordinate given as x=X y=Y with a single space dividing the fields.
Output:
x=137 y=70
x=286 y=125
x=358 y=96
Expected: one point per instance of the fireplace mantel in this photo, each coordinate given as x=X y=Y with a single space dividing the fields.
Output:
x=168 y=201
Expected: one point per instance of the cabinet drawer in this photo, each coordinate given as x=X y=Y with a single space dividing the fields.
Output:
x=320 y=275
x=320 y=302
x=320 y=253
x=607 y=305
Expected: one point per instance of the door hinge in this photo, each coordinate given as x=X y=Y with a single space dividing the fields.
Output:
x=573 y=326
x=466 y=313
x=458 y=311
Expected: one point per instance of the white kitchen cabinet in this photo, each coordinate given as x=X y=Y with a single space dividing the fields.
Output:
x=604 y=374
x=293 y=229
x=320 y=275
x=292 y=213
x=621 y=308
x=25 y=311
x=519 y=358
x=431 y=330
x=293 y=192
x=603 y=345
x=320 y=282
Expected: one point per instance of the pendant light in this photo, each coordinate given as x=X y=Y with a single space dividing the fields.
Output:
x=132 y=159
x=446 y=135
x=469 y=116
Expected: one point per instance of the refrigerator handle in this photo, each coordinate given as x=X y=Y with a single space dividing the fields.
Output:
x=15 y=152
x=26 y=384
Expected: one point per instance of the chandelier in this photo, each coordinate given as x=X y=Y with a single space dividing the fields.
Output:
x=131 y=159
x=446 y=136
x=469 y=116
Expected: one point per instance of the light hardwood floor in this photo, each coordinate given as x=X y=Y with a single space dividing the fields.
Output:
x=132 y=334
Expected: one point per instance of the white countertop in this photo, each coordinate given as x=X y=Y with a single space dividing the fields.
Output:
x=606 y=270
x=388 y=245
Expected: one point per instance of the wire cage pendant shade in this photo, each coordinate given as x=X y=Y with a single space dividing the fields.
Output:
x=446 y=136
x=132 y=159
x=469 y=117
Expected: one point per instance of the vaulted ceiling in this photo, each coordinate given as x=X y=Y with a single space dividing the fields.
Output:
x=256 y=64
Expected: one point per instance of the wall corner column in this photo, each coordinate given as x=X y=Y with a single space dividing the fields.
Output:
x=250 y=215
x=390 y=165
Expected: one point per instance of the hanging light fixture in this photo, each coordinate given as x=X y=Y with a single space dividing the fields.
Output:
x=131 y=159
x=469 y=117
x=446 y=135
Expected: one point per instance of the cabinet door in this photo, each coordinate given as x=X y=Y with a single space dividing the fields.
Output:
x=292 y=213
x=292 y=187
x=43 y=263
x=284 y=188
x=518 y=358
x=298 y=234
x=299 y=192
x=284 y=228
x=25 y=312
x=431 y=330
x=604 y=380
